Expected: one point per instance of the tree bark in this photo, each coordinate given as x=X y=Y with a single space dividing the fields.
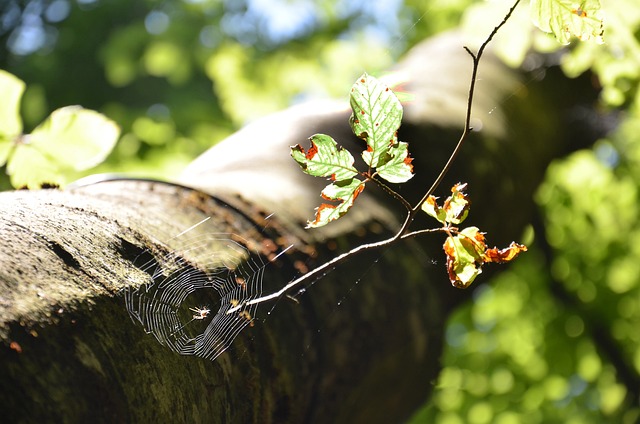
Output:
x=73 y=354
x=362 y=344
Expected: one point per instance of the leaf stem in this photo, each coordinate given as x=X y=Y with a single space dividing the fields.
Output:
x=392 y=192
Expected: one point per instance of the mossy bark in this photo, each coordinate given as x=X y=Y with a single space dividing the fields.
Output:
x=363 y=345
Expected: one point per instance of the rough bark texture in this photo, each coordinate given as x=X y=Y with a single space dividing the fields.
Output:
x=72 y=353
x=360 y=345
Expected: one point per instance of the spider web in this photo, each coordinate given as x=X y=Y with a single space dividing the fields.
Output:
x=166 y=306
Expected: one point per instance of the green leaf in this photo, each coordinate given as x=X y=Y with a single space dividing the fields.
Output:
x=325 y=159
x=76 y=138
x=566 y=19
x=29 y=168
x=398 y=168
x=70 y=139
x=10 y=123
x=464 y=256
x=455 y=208
x=431 y=207
x=376 y=117
x=343 y=191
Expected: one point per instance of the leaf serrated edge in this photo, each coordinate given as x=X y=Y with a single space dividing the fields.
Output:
x=345 y=203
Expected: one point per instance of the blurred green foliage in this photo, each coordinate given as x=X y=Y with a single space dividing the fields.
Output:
x=71 y=139
x=553 y=339
x=178 y=76
x=556 y=338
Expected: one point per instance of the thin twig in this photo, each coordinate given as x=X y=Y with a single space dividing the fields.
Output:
x=327 y=265
x=393 y=193
x=421 y=232
x=412 y=210
x=467 y=122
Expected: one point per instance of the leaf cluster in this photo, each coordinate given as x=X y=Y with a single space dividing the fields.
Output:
x=466 y=249
x=376 y=117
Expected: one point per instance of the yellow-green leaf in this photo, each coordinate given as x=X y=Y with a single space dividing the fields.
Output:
x=566 y=19
x=464 y=256
x=345 y=192
x=467 y=252
x=75 y=138
x=455 y=208
x=29 y=168
x=11 y=88
x=431 y=207
x=457 y=205
x=398 y=168
x=71 y=139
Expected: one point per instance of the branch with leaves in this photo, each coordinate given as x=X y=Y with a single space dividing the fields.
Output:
x=376 y=118
x=75 y=139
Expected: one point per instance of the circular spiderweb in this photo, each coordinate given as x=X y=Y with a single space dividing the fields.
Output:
x=185 y=307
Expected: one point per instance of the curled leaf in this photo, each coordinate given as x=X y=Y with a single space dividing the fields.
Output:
x=467 y=252
x=457 y=205
x=455 y=208
x=431 y=207
x=504 y=255
x=464 y=256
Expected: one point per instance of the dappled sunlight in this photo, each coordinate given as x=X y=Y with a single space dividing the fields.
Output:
x=552 y=337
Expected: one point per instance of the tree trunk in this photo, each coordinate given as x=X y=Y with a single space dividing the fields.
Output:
x=73 y=353
x=362 y=344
